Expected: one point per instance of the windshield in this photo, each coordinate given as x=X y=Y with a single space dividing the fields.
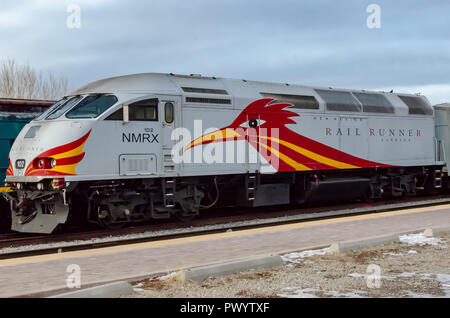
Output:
x=92 y=106
x=61 y=109
x=51 y=109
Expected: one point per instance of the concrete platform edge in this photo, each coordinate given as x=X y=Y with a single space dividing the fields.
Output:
x=342 y=247
x=203 y=272
x=121 y=288
x=436 y=231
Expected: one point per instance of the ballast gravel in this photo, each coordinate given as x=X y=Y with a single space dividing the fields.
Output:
x=414 y=267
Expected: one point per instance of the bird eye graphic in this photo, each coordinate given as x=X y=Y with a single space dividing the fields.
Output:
x=253 y=123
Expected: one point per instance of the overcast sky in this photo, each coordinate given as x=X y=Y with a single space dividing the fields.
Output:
x=324 y=43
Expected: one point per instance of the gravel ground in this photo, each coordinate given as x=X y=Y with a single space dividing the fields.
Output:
x=414 y=267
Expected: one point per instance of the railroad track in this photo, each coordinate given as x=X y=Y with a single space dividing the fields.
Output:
x=10 y=238
x=13 y=245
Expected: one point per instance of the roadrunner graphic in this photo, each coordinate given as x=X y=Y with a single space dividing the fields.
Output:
x=263 y=125
x=67 y=158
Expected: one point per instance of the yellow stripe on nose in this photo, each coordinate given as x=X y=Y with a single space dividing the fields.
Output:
x=71 y=153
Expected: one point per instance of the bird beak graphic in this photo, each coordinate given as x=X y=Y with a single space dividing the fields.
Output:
x=220 y=135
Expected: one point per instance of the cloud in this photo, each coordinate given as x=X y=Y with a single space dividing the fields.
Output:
x=323 y=43
x=11 y=19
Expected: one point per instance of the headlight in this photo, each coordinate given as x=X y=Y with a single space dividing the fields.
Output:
x=44 y=163
x=58 y=183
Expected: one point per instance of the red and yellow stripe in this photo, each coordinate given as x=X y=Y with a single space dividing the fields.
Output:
x=67 y=157
x=300 y=158
x=10 y=171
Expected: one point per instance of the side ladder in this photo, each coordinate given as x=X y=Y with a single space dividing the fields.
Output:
x=163 y=211
x=437 y=178
x=251 y=184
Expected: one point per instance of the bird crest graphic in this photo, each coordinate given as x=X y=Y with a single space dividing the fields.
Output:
x=263 y=125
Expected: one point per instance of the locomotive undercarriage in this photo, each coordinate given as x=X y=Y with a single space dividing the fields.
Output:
x=38 y=211
x=116 y=204
x=113 y=204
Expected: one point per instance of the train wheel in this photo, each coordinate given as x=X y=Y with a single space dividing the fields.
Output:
x=105 y=219
x=184 y=216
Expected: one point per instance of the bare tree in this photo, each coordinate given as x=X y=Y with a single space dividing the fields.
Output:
x=23 y=81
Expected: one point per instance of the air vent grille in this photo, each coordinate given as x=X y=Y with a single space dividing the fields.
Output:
x=204 y=90
x=203 y=100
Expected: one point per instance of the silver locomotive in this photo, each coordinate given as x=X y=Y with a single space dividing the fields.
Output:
x=151 y=146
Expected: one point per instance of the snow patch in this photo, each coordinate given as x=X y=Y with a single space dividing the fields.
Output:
x=352 y=294
x=416 y=295
x=426 y=276
x=297 y=257
x=165 y=277
x=444 y=279
x=366 y=276
x=407 y=274
x=393 y=254
x=419 y=239
x=295 y=292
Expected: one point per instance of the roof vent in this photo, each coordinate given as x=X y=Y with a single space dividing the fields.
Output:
x=204 y=90
x=203 y=100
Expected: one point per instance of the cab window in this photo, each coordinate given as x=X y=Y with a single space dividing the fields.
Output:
x=51 y=109
x=61 y=108
x=144 y=110
x=168 y=112
x=92 y=106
